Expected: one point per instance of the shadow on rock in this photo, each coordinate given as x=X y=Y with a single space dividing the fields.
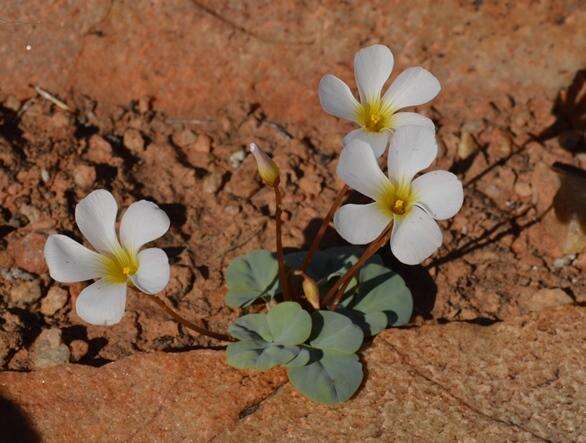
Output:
x=570 y=112
x=420 y=283
x=15 y=426
x=329 y=239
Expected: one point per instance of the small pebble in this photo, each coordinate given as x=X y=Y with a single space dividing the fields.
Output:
x=212 y=183
x=133 y=141
x=55 y=299
x=48 y=349
x=78 y=349
x=237 y=158
x=25 y=294
x=564 y=261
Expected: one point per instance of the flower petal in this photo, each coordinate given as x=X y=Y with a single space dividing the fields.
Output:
x=415 y=237
x=412 y=149
x=410 y=119
x=336 y=98
x=96 y=216
x=372 y=68
x=360 y=224
x=102 y=303
x=153 y=271
x=440 y=193
x=378 y=141
x=70 y=262
x=359 y=169
x=142 y=222
x=412 y=87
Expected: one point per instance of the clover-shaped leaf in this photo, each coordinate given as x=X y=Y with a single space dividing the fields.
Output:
x=333 y=372
x=333 y=378
x=335 y=332
x=270 y=339
x=262 y=355
x=382 y=300
x=250 y=277
x=289 y=324
x=251 y=327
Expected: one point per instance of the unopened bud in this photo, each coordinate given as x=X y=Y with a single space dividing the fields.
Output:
x=267 y=168
x=310 y=290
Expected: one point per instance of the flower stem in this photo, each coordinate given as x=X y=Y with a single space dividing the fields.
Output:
x=280 y=254
x=187 y=323
x=324 y=226
x=337 y=291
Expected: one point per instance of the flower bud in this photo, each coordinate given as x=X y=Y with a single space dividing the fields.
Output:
x=267 y=168
x=311 y=291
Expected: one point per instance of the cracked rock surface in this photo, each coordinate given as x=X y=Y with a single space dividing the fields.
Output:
x=520 y=380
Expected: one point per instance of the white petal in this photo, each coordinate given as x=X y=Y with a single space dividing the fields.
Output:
x=415 y=237
x=359 y=169
x=440 y=193
x=142 y=222
x=102 y=303
x=412 y=149
x=96 y=216
x=372 y=67
x=410 y=119
x=412 y=87
x=153 y=271
x=70 y=262
x=336 y=98
x=360 y=224
x=378 y=141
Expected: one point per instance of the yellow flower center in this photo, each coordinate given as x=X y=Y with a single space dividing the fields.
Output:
x=399 y=207
x=397 y=200
x=120 y=266
x=374 y=116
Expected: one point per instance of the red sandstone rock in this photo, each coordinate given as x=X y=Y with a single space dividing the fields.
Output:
x=149 y=397
x=519 y=380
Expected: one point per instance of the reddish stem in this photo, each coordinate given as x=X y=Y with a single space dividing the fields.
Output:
x=336 y=292
x=187 y=323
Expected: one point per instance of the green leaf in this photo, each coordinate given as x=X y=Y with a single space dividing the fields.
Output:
x=245 y=354
x=301 y=359
x=274 y=355
x=250 y=277
x=255 y=354
x=251 y=327
x=270 y=339
x=335 y=332
x=289 y=324
x=382 y=300
x=333 y=378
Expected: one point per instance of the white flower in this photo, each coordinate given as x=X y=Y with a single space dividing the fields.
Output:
x=376 y=115
x=412 y=205
x=115 y=264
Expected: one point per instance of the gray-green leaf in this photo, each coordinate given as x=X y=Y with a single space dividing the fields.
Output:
x=289 y=324
x=250 y=277
x=382 y=298
x=335 y=332
x=252 y=354
x=333 y=378
x=251 y=327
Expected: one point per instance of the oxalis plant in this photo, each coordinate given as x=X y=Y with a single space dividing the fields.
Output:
x=308 y=311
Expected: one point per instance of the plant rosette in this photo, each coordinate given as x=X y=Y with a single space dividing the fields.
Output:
x=319 y=350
